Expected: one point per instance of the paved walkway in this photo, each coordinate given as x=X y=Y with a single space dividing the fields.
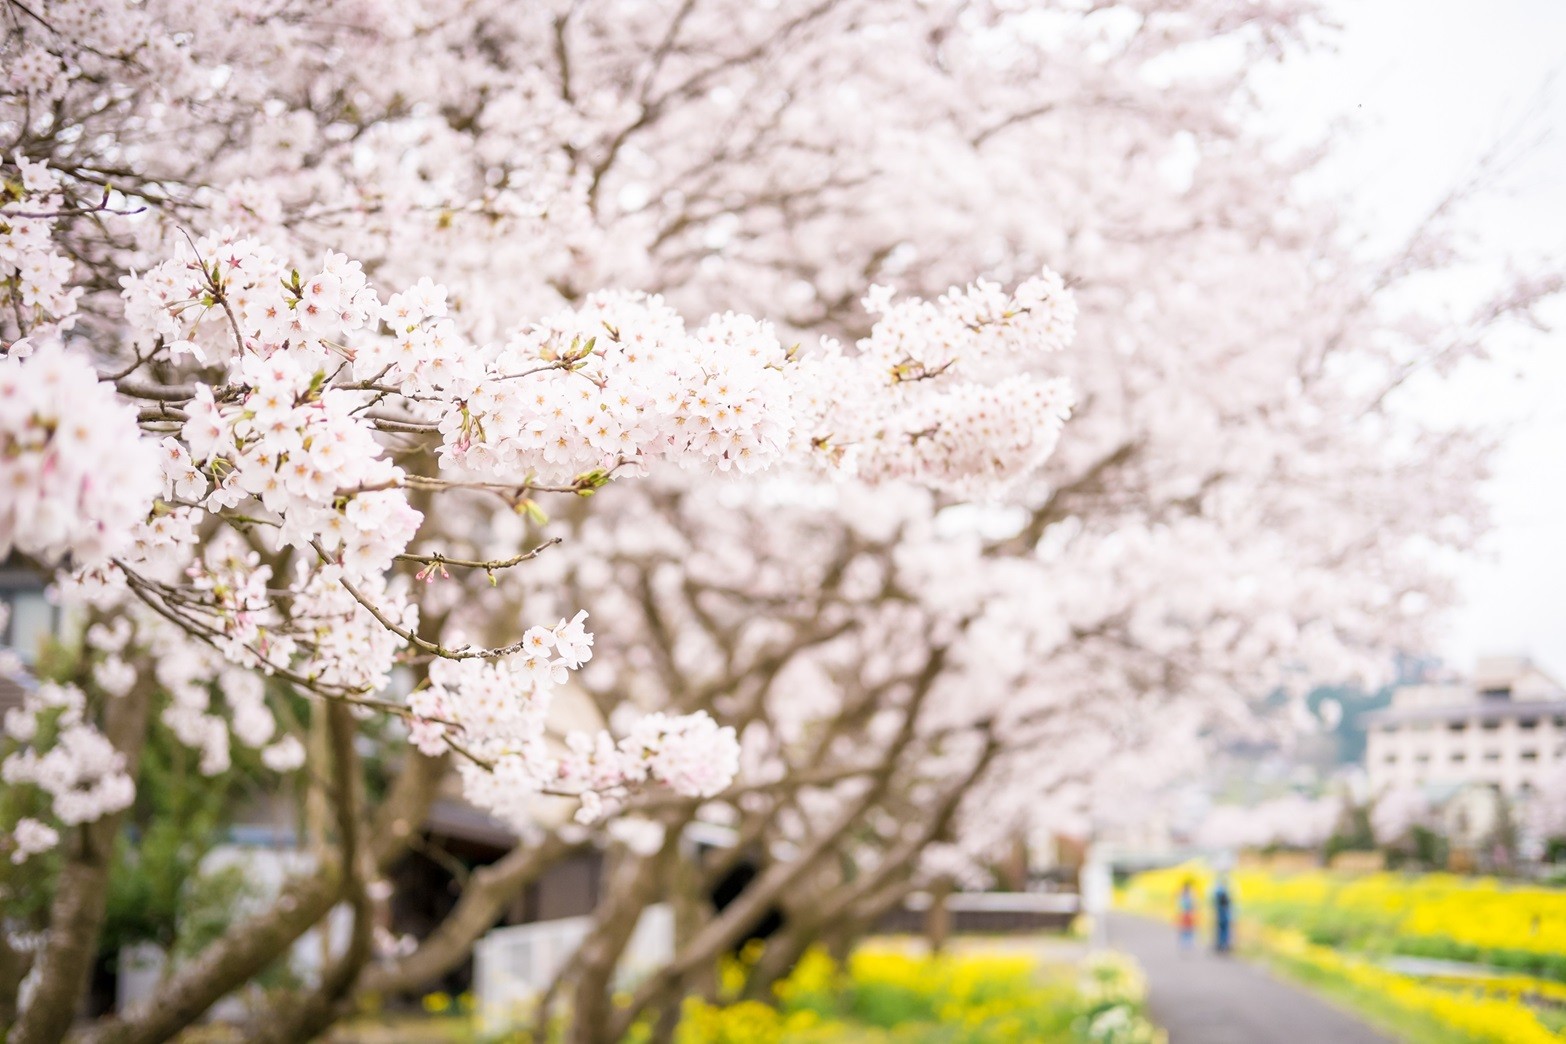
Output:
x=1202 y=998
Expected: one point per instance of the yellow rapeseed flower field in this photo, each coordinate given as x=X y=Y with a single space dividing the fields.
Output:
x=1478 y=1015
x=887 y=995
x=1413 y=913
x=1338 y=931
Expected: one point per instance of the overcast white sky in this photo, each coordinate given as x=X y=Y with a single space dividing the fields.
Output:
x=1431 y=85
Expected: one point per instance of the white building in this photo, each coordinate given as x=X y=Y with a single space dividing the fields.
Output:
x=1506 y=728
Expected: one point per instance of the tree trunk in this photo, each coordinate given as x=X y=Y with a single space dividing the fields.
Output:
x=632 y=888
x=839 y=906
x=783 y=952
x=296 y=1017
x=248 y=946
x=938 y=919
x=82 y=891
x=14 y=966
x=727 y=928
x=244 y=950
x=480 y=906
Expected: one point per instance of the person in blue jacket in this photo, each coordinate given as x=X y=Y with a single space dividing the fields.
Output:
x=1223 y=915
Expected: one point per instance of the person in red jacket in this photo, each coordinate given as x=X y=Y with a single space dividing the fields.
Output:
x=1187 y=914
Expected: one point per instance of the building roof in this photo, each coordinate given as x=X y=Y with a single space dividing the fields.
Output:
x=1512 y=672
x=1494 y=710
x=1501 y=687
x=460 y=820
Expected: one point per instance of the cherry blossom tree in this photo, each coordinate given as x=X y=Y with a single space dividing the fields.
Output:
x=342 y=291
x=1398 y=811
x=225 y=452
x=1242 y=505
x=1544 y=816
x=1292 y=821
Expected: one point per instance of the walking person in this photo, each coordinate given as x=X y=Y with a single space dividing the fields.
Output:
x=1187 y=914
x=1223 y=915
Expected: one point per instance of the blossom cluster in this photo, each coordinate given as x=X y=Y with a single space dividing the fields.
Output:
x=31 y=836
x=195 y=302
x=1292 y=820
x=980 y=324
x=495 y=712
x=616 y=380
x=308 y=458
x=690 y=754
x=36 y=287
x=623 y=381
x=320 y=376
x=973 y=440
x=347 y=647
x=76 y=475
x=80 y=40
x=282 y=442
x=1545 y=816
x=940 y=393
x=81 y=772
x=425 y=354
x=1397 y=811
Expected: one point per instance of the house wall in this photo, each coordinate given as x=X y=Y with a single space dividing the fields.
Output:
x=1511 y=752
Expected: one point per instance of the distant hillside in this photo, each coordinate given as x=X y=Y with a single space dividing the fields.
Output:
x=1350 y=732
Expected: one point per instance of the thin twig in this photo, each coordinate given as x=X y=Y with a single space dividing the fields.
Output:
x=488 y=566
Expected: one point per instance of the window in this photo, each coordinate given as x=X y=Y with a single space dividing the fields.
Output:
x=1492 y=725
x=32 y=620
x=1422 y=758
x=1496 y=695
x=1530 y=755
x=1560 y=721
x=1527 y=723
x=1459 y=758
x=1493 y=755
x=1391 y=759
x=1457 y=726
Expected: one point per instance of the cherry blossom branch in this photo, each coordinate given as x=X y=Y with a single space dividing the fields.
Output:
x=100 y=208
x=492 y=565
x=402 y=427
x=409 y=636
x=152 y=594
